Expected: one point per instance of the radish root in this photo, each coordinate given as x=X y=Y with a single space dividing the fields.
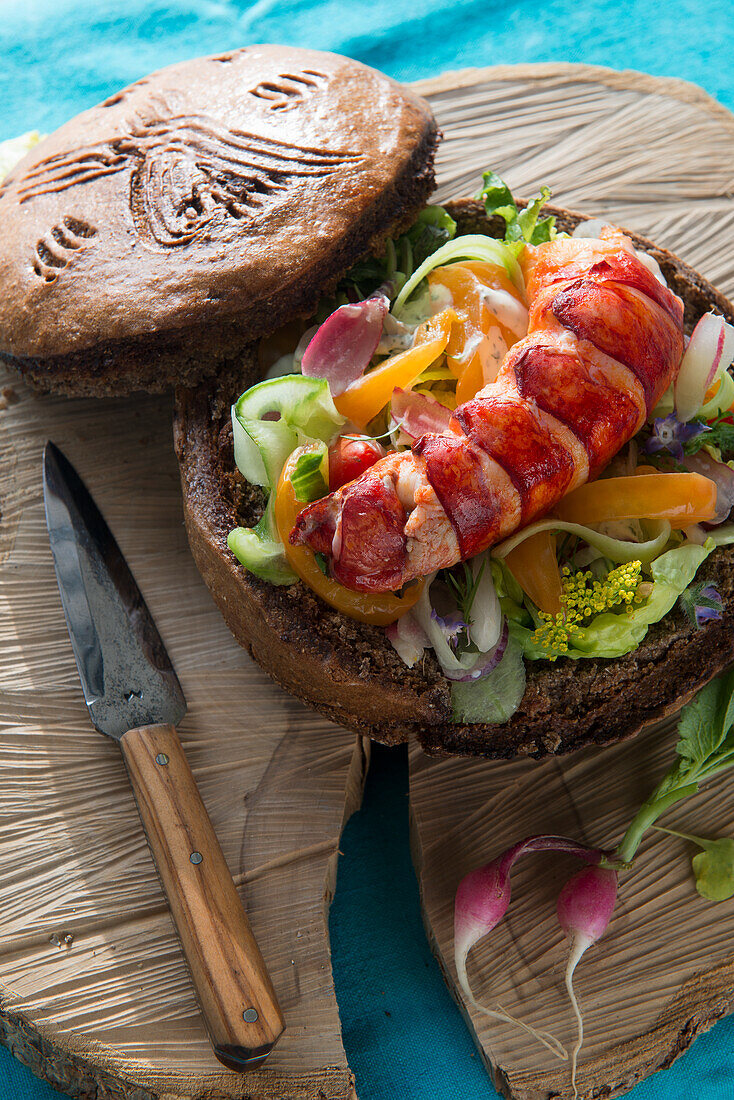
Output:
x=579 y=945
x=499 y=1013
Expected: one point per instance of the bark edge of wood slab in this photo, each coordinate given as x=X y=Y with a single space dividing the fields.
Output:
x=233 y=988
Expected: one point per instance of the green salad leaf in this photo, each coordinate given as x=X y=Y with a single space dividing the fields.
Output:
x=496 y=697
x=713 y=866
x=525 y=226
x=706 y=722
x=614 y=633
x=432 y=229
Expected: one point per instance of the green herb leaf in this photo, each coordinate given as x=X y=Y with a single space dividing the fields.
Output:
x=527 y=220
x=713 y=866
x=497 y=197
x=721 y=437
x=464 y=585
x=524 y=226
x=705 y=723
x=714 y=869
x=432 y=228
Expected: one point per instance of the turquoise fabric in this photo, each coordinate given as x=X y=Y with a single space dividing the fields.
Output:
x=403 y=1033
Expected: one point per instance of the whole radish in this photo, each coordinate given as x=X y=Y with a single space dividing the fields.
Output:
x=584 y=907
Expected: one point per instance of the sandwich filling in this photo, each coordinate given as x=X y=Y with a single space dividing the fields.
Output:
x=498 y=450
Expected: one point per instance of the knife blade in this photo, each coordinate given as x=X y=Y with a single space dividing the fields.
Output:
x=133 y=695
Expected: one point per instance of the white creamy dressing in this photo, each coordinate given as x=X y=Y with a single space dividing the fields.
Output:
x=492 y=354
x=506 y=308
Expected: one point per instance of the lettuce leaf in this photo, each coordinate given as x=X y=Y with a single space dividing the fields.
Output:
x=496 y=697
x=613 y=634
x=525 y=227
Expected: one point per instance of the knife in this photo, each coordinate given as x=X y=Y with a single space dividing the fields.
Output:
x=133 y=695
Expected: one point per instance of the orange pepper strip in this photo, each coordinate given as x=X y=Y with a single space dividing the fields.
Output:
x=682 y=499
x=471 y=381
x=379 y=609
x=464 y=291
x=464 y=282
x=364 y=398
x=534 y=565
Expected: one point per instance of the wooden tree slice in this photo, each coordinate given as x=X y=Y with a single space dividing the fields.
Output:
x=654 y=155
x=95 y=996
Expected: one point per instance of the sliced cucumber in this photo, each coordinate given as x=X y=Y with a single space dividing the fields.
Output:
x=259 y=550
x=306 y=409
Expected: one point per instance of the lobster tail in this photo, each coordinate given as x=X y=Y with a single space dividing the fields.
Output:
x=604 y=342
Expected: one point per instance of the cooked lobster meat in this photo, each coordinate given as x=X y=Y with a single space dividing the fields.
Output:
x=605 y=339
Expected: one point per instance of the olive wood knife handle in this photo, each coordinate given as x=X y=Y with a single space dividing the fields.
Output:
x=232 y=985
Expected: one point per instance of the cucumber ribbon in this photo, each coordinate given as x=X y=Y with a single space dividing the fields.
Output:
x=269 y=421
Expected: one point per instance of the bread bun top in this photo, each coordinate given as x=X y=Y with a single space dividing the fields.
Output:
x=212 y=191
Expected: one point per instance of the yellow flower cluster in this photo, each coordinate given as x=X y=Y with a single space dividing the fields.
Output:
x=583 y=597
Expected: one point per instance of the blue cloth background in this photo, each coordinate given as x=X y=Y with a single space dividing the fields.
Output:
x=402 y=1031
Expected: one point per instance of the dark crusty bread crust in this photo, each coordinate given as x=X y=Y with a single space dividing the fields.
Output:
x=148 y=240
x=349 y=671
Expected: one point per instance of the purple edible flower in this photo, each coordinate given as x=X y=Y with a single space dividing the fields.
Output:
x=702 y=603
x=669 y=434
x=708 y=605
x=451 y=626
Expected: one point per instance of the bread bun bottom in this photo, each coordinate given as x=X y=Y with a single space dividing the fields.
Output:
x=349 y=672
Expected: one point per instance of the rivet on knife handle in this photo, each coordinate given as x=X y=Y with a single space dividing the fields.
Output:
x=234 y=991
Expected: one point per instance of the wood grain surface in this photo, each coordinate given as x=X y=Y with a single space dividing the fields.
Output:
x=653 y=155
x=95 y=997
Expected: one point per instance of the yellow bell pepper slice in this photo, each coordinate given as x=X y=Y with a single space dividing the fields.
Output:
x=364 y=398
x=534 y=565
x=682 y=499
x=379 y=608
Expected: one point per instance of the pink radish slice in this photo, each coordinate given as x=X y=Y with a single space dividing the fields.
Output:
x=417 y=413
x=711 y=348
x=584 y=907
x=342 y=347
x=408 y=639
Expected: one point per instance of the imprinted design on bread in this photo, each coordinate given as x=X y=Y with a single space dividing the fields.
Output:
x=227 y=194
x=55 y=250
x=289 y=90
x=186 y=174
